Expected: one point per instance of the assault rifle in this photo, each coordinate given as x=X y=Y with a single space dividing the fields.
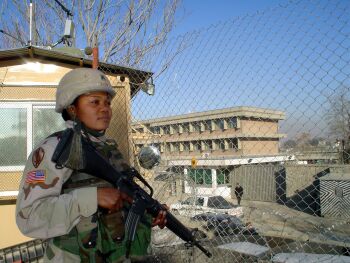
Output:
x=93 y=163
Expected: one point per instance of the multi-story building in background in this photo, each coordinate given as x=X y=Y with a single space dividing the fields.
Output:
x=230 y=132
x=207 y=146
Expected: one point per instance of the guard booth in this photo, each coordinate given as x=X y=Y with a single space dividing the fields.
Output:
x=29 y=77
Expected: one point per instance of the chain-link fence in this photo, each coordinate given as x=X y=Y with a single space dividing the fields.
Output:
x=251 y=119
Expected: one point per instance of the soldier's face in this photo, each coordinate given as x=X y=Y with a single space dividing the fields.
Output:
x=94 y=110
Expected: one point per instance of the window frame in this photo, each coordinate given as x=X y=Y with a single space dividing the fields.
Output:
x=29 y=106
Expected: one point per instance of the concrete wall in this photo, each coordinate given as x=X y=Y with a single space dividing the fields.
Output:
x=302 y=176
x=259 y=147
x=261 y=127
x=260 y=182
x=297 y=186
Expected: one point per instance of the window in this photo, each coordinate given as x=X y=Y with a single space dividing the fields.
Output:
x=232 y=122
x=222 y=176
x=207 y=125
x=197 y=146
x=220 y=144
x=167 y=147
x=174 y=129
x=186 y=127
x=196 y=126
x=233 y=144
x=45 y=122
x=24 y=125
x=220 y=124
x=207 y=145
x=200 y=176
x=13 y=136
x=186 y=146
x=166 y=129
x=155 y=130
x=175 y=147
x=139 y=130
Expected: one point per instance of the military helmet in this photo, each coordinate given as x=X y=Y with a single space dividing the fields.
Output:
x=78 y=82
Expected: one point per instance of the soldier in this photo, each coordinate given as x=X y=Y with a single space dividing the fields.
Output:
x=239 y=193
x=82 y=216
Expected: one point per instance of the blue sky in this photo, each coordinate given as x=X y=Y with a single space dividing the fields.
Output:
x=202 y=13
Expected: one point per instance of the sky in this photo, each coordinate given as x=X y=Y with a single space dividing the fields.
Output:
x=203 y=13
x=290 y=56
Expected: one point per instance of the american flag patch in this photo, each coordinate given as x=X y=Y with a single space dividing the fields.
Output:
x=34 y=177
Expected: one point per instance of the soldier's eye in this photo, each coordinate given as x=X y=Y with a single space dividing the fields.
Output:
x=96 y=102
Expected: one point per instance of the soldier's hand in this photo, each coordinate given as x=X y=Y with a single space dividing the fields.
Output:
x=111 y=198
x=160 y=220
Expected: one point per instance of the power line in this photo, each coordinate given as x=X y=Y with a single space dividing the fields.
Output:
x=69 y=13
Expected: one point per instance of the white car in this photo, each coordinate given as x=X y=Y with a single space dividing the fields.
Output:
x=195 y=205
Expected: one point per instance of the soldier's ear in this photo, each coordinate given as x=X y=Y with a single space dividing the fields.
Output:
x=72 y=112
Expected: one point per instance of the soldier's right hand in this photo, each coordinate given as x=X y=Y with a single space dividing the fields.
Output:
x=111 y=198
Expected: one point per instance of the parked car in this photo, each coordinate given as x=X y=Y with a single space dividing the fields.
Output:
x=200 y=204
x=224 y=224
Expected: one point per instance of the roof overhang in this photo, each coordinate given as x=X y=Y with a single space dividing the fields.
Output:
x=136 y=76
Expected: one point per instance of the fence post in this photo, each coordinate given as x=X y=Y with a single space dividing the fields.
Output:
x=95 y=54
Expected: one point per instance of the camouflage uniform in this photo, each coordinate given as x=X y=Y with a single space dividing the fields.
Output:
x=61 y=205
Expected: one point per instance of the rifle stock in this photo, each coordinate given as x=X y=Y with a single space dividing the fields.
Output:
x=98 y=166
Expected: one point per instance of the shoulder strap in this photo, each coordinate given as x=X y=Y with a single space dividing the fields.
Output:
x=56 y=134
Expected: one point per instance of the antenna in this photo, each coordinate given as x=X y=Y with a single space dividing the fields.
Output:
x=68 y=12
x=30 y=22
x=68 y=28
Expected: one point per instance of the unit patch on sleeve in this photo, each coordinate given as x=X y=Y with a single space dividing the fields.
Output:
x=38 y=156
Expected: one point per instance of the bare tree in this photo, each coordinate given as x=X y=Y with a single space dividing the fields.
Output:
x=128 y=32
x=338 y=115
x=339 y=121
